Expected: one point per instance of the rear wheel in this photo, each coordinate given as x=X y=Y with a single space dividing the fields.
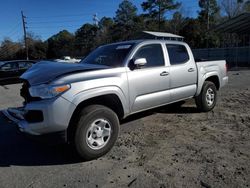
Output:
x=96 y=132
x=207 y=99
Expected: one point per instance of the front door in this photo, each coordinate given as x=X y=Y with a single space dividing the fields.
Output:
x=148 y=85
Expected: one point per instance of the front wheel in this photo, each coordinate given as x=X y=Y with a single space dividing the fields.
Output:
x=96 y=132
x=207 y=99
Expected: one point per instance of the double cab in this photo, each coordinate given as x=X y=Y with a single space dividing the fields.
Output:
x=85 y=102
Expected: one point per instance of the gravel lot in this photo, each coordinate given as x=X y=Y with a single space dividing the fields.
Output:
x=165 y=147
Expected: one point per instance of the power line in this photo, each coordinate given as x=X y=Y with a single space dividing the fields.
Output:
x=61 y=21
x=68 y=15
x=13 y=29
x=54 y=26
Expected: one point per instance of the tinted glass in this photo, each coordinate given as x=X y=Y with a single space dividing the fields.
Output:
x=110 y=55
x=152 y=53
x=9 y=66
x=177 y=54
x=24 y=65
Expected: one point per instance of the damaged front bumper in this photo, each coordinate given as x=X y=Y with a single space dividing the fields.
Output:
x=42 y=117
x=17 y=116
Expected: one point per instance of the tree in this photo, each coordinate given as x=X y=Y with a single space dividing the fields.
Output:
x=232 y=7
x=86 y=39
x=191 y=31
x=208 y=17
x=126 y=13
x=8 y=49
x=36 y=47
x=124 y=21
x=157 y=8
x=105 y=29
x=176 y=23
x=246 y=7
x=60 y=44
x=209 y=12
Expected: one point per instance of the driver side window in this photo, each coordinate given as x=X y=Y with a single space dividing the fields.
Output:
x=152 y=53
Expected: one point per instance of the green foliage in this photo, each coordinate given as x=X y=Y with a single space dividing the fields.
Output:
x=156 y=7
x=61 y=44
x=176 y=23
x=208 y=13
x=124 y=19
x=85 y=38
x=104 y=33
x=38 y=50
x=208 y=17
x=126 y=13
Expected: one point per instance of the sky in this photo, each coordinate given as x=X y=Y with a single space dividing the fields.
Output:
x=47 y=17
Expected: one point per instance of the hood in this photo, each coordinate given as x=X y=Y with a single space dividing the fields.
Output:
x=47 y=71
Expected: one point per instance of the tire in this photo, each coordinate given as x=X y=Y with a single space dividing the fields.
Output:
x=207 y=99
x=97 y=131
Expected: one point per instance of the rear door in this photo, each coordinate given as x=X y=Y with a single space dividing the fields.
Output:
x=183 y=72
x=149 y=85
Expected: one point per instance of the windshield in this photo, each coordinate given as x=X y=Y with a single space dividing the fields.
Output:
x=110 y=55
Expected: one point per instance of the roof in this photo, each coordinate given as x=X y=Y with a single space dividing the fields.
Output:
x=164 y=35
x=239 y=24
x=16 y=61
x=20 y=60
x=145 y=40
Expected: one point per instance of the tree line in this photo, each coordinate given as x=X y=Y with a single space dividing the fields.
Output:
x=127 y=24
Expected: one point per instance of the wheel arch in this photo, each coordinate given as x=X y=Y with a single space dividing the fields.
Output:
x=212 y=77
x=215 y=80
x=111 y=101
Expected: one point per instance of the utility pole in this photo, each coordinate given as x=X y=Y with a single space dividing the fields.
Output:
x=208 y=10
x=25 y=35
x=159 y=16
x=95 y=19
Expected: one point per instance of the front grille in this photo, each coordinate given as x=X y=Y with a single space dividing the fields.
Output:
x=24 y=92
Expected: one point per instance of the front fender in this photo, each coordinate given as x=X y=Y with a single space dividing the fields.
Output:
x=96 y=92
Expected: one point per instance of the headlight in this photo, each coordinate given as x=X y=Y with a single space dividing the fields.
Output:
x=46 y=91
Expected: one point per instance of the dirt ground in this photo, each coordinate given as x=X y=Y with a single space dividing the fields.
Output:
x=165 y=147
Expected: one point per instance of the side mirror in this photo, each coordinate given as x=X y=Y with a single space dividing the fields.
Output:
x=140 y=62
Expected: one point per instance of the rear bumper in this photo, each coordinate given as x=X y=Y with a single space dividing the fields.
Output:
x=224 y=81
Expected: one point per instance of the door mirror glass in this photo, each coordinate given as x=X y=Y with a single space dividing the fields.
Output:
x=140 y=62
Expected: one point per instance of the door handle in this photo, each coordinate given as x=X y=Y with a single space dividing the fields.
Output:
x=164 y=73
x=191 y=70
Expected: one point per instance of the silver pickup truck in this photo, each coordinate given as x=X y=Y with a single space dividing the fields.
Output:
x=86 y=101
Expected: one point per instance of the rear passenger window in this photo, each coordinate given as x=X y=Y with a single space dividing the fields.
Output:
x=177 y=54
x=152 y=53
